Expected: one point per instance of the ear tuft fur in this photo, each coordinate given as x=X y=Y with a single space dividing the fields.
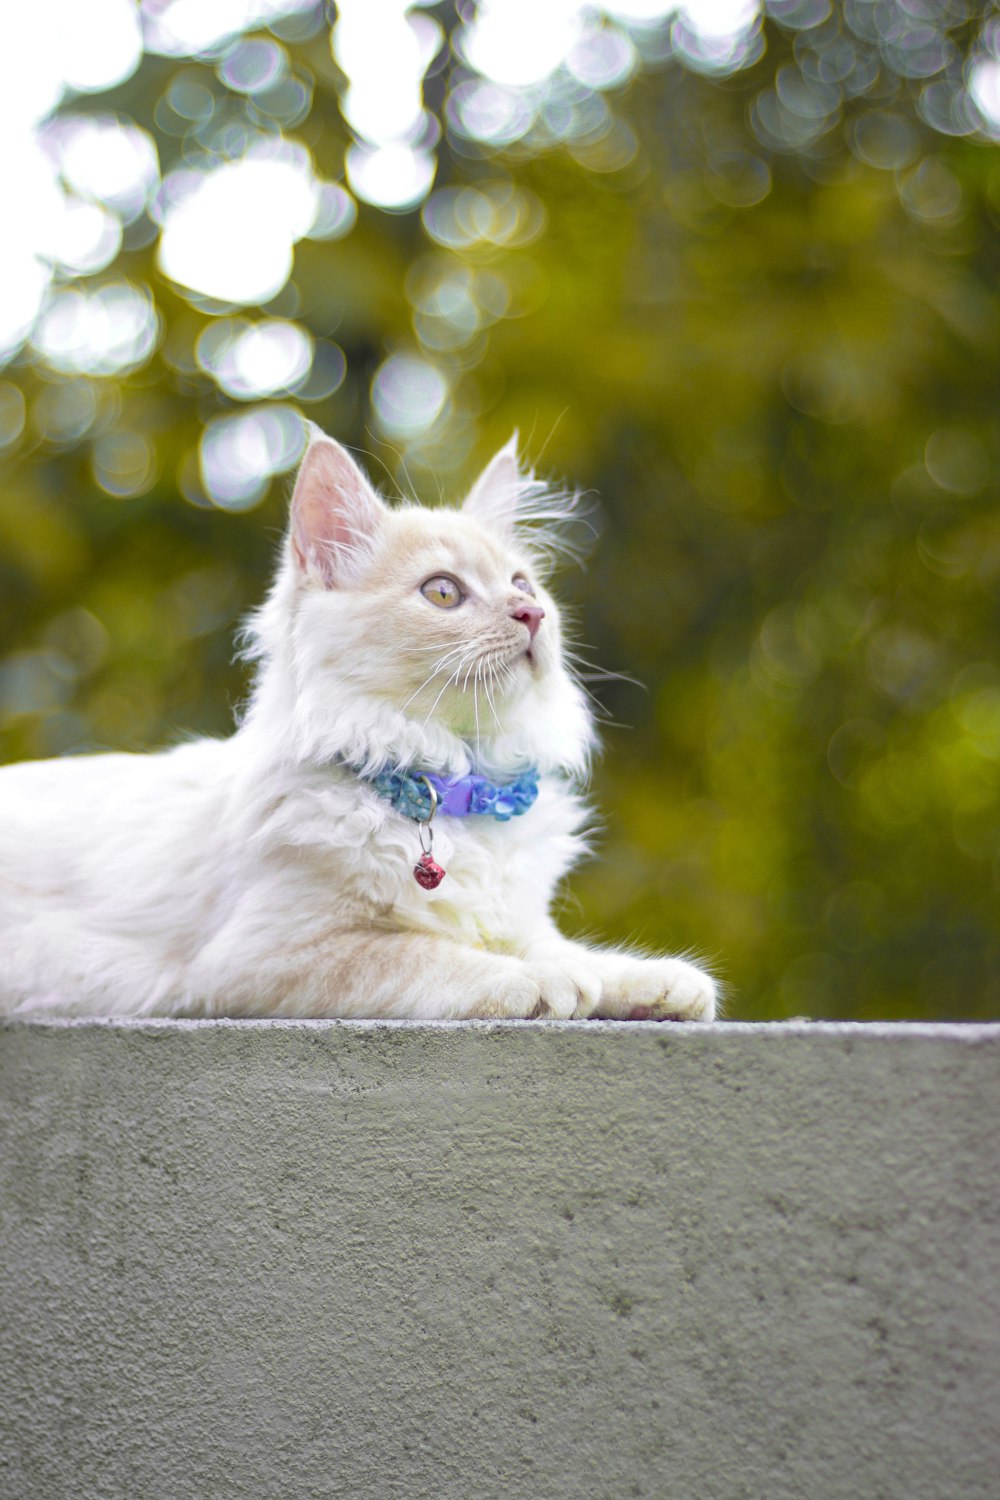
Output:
x=550 y=521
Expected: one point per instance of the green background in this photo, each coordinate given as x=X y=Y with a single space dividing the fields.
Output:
x=777 y=366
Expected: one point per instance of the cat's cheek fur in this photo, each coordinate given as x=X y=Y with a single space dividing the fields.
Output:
x=259 y=876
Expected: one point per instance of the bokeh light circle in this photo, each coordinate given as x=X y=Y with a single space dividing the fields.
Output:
x=408 y=395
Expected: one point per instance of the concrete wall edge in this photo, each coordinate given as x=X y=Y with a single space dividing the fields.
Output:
x=963 y=1032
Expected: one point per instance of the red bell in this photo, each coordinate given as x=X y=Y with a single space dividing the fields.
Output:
x=427 y=872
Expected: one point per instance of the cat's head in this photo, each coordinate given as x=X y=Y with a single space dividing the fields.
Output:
x=421 y=634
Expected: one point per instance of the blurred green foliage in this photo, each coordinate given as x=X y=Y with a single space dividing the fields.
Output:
x=779 y=369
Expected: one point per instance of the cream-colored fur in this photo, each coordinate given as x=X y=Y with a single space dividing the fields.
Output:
x=258 y=876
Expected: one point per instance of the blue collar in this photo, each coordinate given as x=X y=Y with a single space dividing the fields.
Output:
x=456 y=796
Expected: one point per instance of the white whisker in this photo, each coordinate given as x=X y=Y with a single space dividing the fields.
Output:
x=454 y=677
x=438 y=667
x=493 y=707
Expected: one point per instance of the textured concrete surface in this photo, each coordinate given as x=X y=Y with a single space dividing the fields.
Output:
x=347 y=1259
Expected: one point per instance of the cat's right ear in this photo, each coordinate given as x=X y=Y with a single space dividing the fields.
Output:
x=335 y=512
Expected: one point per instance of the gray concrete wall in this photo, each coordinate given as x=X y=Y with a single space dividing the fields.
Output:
x=375 y=1260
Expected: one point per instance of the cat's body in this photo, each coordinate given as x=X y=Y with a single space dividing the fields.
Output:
x=261 y=875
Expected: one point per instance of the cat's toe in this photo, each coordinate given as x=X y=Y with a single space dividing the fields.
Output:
x=570 y=983
x=686 y=993
x=516 y=997
x=559 y=993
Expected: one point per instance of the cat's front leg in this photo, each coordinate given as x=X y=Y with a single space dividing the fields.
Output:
x=625 y=986
x=421 y=977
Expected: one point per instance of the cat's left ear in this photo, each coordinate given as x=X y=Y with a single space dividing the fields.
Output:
x=496 y=494
x=335 y=511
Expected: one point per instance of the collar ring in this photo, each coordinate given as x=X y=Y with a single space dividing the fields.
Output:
x=425 y=826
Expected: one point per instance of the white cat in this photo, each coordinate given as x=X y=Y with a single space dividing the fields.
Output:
x=267 y=874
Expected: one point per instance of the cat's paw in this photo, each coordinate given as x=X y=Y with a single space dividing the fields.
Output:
x=534 y=990
x=656 y=989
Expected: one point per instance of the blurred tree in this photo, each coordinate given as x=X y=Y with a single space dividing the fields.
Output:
x=737 y=275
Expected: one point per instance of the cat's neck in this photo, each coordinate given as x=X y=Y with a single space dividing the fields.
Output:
x=288 y=726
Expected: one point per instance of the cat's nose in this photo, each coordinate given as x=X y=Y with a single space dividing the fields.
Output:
x=531 y=615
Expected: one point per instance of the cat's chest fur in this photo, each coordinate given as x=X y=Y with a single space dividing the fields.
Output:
x=360 y=856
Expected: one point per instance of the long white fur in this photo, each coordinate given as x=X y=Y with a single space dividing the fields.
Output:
x=257 y=876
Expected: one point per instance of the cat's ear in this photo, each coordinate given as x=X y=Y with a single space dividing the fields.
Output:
x=335 y=512
x=496 y=494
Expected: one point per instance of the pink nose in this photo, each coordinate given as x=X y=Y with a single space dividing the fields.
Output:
x=531 y=615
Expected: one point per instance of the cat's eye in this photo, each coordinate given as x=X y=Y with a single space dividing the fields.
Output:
x=520 y=582
x=442 y=591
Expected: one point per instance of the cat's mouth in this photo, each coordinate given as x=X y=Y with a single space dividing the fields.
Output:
x=529 y=655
